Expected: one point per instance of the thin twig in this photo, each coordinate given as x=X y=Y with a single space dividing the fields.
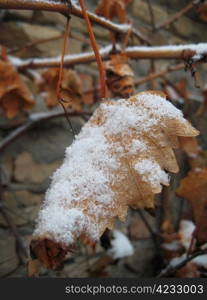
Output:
x=60 y=77
x=34 y=119
x=61 y=7
x=13 y=228
x=170 y=270
x=145 y=221
x=11 y=225
x=95 y=49
x=152 y=76
x=152 y=17
x=152 y=63
x=35 y=43
x=177 y=15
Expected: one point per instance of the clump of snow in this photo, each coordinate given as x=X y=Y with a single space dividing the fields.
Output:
x=120 y=246
x=159 y=106
x=84 y=193
x=201 y=261
x=151 y=172
x=186 y=230
x=136 y=146
x=173 y=246
x=62 y=224
x=177 y=260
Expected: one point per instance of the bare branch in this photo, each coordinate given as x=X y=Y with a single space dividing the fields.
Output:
x=102 y=73
x=152 y=17
x=183 y=52
x=61 y=7
x=32 y=120
x=152 y=76
x=170 y=270
x=177 y=15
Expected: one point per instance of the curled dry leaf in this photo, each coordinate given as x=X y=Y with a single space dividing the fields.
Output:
x=190 y=146
x=14 y=95
x=194 y=188
x=197 y=158
x=71 y=91
x=110 y=9
x=175 y=245
x=202 y=10
x=181 y=87
x=117 y=160
x=177 y=92
x=88 y=87
x=190 y=270
x=203 y=107
x=120 y=76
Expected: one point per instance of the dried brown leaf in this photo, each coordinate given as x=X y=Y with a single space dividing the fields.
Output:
x=190 y=146
x=14 y=95
x=194 y=188
x=110 y=9
x=190 y=270
x=120 y=76
x=202 y=10
x=134 y=175
x=71 y=90
x=203 y=107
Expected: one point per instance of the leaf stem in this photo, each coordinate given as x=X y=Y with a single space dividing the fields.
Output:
x=95 y=49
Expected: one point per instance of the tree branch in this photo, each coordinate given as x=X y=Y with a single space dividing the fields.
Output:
x=102 y=73
x=183 y=52
x=177 y=15
x=152 y=76
x=61 y=7
x=170 y=270
x=32 y=120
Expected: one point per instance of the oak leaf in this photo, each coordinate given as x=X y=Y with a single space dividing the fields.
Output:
x=197 y=157
x=189 y=145
x=190 y=270
x=203 y=107
x=117 y=160
x=71 y=91
x=202 y=10
x=194 y=188
x=120 y=76
x=110 y=9
x=14 y=95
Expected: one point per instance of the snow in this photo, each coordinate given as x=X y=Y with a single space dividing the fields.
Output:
x=62 y=222
x=83 y=196
x=120 y=27
x=173 y=246
x=151 y=172
x=177 y=260
x=136 y=146
x=69 y=59
x=200 y=261
x=200 y=49
x=120 y=246
x=186 y=230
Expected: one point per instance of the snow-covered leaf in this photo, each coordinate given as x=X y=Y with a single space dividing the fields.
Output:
x=117 y=160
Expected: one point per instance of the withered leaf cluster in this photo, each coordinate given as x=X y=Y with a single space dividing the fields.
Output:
x=119 y=76
x=14 y=95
